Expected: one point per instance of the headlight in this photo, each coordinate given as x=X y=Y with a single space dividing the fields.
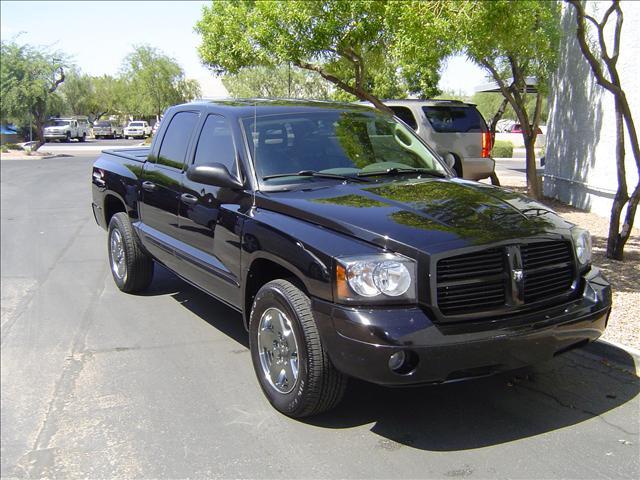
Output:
x=582 y=245
x=381 y=277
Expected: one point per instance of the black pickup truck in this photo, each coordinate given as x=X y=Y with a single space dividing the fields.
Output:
x=349 y=247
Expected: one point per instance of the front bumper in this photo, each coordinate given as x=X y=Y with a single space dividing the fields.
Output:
x=360 y=342
x=55 y=136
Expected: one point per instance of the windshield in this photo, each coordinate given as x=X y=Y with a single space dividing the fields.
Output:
x=334 y=142
x=103 y=124
x=136 y=124
x=59 y=123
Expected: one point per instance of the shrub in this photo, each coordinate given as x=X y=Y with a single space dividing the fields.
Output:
x=502 y=149
x=12 y=146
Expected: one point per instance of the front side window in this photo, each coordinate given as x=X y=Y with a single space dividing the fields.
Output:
x=176 y=139
x=346 y=143
x=215 y=144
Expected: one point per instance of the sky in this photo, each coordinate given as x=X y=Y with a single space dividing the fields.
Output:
x=98 y=35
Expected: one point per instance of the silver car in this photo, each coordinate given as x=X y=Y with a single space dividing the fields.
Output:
x=107 y=129
x=456 y=130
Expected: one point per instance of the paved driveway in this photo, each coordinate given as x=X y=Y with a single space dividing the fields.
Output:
x=99 y=384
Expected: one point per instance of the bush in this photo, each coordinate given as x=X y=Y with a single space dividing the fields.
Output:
x=502 y=149
x=12 y=146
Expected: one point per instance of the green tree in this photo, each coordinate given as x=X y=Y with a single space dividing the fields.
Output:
x=77 y=92
x=29 y=80
x=277 y=81
x=154 y=82
x=109 y=96
x=514 y=41
x=347 y=43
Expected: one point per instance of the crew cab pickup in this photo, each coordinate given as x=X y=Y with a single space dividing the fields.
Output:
x=348 y=246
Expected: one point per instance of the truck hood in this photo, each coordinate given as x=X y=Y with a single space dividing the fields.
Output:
x=425 y=214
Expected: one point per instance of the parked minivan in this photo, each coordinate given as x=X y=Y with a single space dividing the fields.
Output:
x=455 y=129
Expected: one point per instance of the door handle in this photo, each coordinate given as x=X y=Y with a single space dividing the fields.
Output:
x=149 y=186
x=189 y=199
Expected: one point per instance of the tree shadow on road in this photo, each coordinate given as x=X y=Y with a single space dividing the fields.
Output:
x=572 y=388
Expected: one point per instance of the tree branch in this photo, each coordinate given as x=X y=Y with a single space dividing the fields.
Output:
x=57 y=81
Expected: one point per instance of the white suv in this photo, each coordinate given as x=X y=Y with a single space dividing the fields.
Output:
x=137 y=129
x=456 y=130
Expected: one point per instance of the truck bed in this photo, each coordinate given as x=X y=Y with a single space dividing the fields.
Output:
x=138 y=154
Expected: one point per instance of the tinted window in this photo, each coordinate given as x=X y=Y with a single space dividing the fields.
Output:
x=215 y=144
x=404 y=114
x=176 y=139
x=455 y=119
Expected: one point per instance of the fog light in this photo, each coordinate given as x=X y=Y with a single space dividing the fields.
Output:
x=396 y=361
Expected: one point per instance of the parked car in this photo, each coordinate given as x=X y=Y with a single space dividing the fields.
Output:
x=137 y=129
x=107 y=129
x=456 y=130
x=517 y=128
x=348 y=246
x=66 y=129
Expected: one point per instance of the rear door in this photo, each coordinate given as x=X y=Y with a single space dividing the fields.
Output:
x=210 y=218
x=160 y=188
x=455 y=128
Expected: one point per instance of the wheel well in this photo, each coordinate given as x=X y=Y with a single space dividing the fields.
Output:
x=112 y=205
x=262 y=271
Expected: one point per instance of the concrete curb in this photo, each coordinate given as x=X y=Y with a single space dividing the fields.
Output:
x=33 y=157
x=615 y=353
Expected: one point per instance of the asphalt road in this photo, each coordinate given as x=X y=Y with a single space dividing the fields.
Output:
x=100 y=384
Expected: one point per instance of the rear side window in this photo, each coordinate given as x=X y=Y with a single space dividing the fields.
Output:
x=176 y=139
x=215 y=144
x=447 y=119
x=405 y=114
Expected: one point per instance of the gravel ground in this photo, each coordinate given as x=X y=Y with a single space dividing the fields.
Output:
x=624 y=323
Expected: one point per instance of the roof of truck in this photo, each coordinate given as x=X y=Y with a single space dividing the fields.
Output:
x=247 y=106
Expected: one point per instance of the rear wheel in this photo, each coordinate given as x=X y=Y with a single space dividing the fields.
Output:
x=83 y=137
x=291 y=364
x=131 y=267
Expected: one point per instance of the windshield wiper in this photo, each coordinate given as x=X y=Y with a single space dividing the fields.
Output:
x=396 y=171
x=313 y=173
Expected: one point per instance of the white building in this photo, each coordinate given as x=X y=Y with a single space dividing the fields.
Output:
x=581 y=137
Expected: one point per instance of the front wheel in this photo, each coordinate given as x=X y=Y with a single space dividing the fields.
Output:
x=291 y=364
x=131 y=267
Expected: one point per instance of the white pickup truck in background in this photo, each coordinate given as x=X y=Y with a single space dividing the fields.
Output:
x=137 y=129
x=66 y=129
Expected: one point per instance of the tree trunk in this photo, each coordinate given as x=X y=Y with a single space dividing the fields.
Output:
x=615 y=245
x=496 y=118
x=533 y=183
x=39 y=133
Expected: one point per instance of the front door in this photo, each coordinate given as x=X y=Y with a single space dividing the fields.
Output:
x=160 y=189
x=210 y=218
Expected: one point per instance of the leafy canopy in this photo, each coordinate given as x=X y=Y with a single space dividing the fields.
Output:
x=154 y=82
x=29 y=78
x=350 y=44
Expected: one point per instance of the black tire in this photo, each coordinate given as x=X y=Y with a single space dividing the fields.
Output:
x=67 y=138
x=83 y=137
x=319 y=386
x=138 y=265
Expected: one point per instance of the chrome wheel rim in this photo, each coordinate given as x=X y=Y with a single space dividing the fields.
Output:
x=278 y=350
x=118 y=264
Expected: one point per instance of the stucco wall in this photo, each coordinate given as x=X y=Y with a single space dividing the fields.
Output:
x=581 y=136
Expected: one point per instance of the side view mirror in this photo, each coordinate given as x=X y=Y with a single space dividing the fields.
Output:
x=214 y=174
x=450 y=160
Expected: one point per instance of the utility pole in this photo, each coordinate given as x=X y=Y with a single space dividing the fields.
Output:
x=289 y=79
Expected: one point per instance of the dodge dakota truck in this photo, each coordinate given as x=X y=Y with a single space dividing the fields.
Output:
x=349 y=247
